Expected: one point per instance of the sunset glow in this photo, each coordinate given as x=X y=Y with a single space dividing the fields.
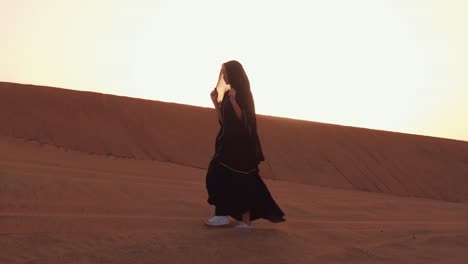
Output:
x=398 y=65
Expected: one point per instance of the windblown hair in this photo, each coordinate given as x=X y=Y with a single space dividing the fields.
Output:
x=240 y=82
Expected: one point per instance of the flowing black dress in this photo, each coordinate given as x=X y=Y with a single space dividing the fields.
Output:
x=233 y=182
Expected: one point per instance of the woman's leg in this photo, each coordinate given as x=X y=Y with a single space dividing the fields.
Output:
x=246 y=217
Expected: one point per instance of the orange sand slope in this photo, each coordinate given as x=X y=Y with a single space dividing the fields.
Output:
x=296 y=151
x=62 y=206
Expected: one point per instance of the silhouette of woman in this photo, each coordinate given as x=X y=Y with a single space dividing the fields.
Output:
x=233 y=182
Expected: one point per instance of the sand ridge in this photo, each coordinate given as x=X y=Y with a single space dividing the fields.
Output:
x=298 y=151
x=63 y=206
x=93 y=178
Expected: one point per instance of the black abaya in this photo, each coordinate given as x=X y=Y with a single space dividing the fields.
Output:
x=233 y=182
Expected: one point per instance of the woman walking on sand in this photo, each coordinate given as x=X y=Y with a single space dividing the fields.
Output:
x=233 y=182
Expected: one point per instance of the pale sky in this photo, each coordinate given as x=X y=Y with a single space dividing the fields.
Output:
x=397 y=65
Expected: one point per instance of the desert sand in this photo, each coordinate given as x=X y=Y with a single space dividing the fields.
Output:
x=94 y=178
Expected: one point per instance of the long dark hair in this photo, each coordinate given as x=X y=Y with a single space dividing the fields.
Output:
x=240 y=82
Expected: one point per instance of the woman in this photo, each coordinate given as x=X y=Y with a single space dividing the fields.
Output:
x=232 y=181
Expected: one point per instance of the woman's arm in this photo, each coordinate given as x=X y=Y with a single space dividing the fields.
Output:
x=235 y=105
x=214 y=98
x=219 y=113
x=239 y=112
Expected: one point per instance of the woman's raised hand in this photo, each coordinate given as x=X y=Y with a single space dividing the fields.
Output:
x=214 y=96
x=232 y=94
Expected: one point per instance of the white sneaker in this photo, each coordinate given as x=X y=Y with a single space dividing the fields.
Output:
x=243 y=225
x=218 y=220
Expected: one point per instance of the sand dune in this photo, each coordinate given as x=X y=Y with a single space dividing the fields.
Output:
x=297 y=151
x=62 y=206
x=93 y=178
